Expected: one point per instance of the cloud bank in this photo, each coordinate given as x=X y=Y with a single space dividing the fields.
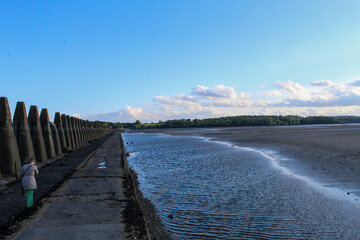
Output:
x=321 y=97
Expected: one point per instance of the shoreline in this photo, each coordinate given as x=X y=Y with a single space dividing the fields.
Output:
x=152 y=222
x=326 y=154
x=277 y=162
x=140 y=213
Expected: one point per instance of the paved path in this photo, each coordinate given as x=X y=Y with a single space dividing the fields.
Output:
x=89 y=205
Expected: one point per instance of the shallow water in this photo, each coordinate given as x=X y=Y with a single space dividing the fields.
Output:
x=216 y=191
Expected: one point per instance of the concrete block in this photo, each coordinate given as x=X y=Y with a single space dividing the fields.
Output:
x=48 y=138
x=9 y=153
x=36 y=134
x=66 y=131
x=61 y=132
x=81 y=134
x=82 y=123
x=86 y=132
x=22 y=133
x=75 y=131
x=71 y=132
x=56 y=138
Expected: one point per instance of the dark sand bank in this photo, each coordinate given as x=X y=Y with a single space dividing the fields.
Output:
x=324 y=152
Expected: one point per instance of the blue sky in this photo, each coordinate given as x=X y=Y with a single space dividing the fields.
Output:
x=157 y=60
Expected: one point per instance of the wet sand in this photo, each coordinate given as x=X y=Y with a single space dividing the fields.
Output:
x=329 y=153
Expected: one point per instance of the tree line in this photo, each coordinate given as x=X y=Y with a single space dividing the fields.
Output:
x=235 y=121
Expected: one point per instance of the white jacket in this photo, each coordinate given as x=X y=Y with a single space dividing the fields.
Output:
x=28 y=180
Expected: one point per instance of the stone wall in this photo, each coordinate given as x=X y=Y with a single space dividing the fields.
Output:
x=34 y=136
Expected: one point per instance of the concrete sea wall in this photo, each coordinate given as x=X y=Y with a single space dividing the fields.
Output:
x=34 y=136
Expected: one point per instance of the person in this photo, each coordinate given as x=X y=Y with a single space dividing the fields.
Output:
x=28 y=172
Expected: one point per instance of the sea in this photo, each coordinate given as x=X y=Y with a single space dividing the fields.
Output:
x=204 y=189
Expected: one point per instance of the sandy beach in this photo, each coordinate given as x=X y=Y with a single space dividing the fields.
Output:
x=328 y=153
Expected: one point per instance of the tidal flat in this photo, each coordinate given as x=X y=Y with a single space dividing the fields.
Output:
x=252 y=182
x=323 y=152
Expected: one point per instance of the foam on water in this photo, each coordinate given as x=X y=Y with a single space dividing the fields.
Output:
x=276 y=160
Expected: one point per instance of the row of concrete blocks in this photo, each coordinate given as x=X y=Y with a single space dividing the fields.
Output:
x=36 y=137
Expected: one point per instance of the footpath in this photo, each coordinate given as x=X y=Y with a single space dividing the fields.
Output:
x=53 y=172
x=96 y=202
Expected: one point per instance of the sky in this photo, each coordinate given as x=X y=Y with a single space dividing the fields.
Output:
x=123 y=61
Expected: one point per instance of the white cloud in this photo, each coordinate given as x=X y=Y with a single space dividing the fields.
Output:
x=134 y=113
x=241 y=102
x=219 y=91
x=77 y=115
x=179 y=99
x=322 y=94
x=322 y=83
x=355 y=83
x=203 y=98
x=261 y=103
x=321 y=97
x=129 y=114
x=273 y=93
x=109 y=116
x=311 y=111
x=294 y=90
